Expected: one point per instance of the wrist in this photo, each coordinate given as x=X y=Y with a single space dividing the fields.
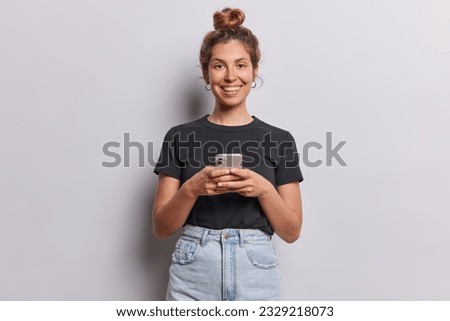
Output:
x=266 y=191
x=189 y=190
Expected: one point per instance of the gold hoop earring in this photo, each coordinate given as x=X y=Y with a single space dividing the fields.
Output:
x=208 y=87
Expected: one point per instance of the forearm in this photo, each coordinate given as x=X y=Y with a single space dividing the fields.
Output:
x=171 y=216
x=285 y=221
x=173 y=202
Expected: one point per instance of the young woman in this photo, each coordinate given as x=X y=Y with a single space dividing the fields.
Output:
x=228 y=215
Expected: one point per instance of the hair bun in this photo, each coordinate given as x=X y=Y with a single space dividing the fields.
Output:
x=228 y=18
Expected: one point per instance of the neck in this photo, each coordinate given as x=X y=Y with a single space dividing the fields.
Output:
x=230 y=117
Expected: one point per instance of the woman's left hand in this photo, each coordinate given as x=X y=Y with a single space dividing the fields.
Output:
x=249 y=184
x=281 y=205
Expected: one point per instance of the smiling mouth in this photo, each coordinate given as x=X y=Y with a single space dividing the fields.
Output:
x=231 y=89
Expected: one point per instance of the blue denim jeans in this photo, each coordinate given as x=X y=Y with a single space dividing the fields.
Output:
x=223 y=265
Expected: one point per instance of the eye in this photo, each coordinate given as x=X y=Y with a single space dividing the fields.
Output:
x=219 y=66
x=241 y=65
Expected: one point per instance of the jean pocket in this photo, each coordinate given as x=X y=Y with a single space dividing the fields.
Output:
x=186 y=251
x=262 y=255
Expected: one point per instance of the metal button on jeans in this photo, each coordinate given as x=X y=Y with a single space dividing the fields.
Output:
x=225 y=236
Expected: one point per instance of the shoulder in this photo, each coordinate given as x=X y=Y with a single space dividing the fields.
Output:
x=184 y=128
x=276 y=132
x=188 y=126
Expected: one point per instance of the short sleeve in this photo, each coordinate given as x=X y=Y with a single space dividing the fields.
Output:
x=168 y=162
x=288 y=167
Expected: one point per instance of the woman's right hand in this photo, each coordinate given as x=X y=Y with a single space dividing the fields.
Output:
x=173 y=202
x=204 y=183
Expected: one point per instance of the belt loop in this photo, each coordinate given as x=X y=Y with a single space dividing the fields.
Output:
x=204 y=237
x=241 y=239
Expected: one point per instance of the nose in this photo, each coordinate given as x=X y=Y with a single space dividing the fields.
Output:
x=230 y=75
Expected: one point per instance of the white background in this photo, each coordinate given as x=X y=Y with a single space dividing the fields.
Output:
x=75 y=75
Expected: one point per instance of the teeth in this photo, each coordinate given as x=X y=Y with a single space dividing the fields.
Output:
x=231 y=89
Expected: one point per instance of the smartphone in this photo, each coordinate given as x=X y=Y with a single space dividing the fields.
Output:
x=228 y=160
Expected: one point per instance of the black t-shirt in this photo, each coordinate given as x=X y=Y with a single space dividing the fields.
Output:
x=266 y=149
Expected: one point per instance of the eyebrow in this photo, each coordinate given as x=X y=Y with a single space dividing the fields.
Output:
x=239 y=59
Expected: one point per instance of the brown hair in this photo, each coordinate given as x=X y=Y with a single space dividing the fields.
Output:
x=227 y=25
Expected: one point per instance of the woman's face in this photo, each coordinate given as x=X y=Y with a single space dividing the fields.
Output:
x=231 y=73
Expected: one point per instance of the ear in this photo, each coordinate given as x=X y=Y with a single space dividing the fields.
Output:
x=255 y=72
x=206 y=78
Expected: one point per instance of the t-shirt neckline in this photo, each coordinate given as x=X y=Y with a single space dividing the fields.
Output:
x=205 y=121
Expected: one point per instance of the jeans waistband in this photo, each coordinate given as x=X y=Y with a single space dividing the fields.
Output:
x=229 y=235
